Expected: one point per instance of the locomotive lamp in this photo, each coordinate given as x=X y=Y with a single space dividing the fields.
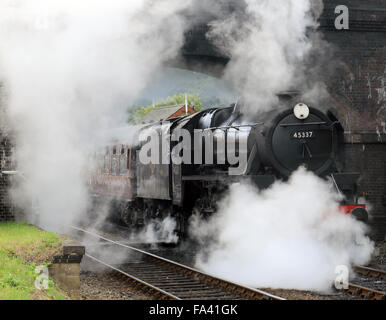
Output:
x=301 y=111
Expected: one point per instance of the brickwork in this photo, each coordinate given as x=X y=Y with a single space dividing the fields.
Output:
x=370 y=160
x=65 y=268
x=358 y=86
x=6 y=208
x=358 y=89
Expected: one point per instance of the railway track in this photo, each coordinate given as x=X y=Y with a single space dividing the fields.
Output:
x=369 y=284
x=380 y=274
x=170 y=280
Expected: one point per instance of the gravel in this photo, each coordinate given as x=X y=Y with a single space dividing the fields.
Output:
x=308 y=295
x=104 y=285
x=107 y=286
x=379 y=259
x=99 y=283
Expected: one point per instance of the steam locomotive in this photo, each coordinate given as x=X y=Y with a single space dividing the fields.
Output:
x=275 y=144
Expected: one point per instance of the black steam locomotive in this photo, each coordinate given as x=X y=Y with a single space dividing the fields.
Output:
x=275 y=144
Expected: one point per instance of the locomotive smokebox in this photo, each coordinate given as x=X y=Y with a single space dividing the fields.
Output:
x=299 y=136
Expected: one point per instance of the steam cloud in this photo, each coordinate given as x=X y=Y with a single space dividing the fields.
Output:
x=158 y=230
x=290 y=236
x=69 y=70
x=272 y=45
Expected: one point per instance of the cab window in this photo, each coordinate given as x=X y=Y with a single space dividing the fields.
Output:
x=128 y=159
x=107 y=161
x=114 y=161
x=122 y=158
x=100 y=162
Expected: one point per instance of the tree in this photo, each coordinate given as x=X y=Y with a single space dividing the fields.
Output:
x=194 y=100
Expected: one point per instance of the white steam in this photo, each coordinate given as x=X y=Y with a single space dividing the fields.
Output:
x=290 y=236
x=270 y=44
x=158 y=230
x=71 y=69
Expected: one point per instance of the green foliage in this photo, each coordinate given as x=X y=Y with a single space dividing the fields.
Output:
x=140 y=113
x=15 y=235
x=22 y=246
x=17 y=281
x=11 y=281
x=194 y=100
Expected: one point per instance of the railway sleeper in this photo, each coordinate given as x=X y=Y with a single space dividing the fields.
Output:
x=185 y=284
x=151 y=278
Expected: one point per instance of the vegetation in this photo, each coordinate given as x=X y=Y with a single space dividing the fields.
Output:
x=22 y=248
x=194 y=100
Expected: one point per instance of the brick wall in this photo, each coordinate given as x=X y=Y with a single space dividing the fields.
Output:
x=358 y=85
x=358 y=89
x=369 y=158
x=6 y=208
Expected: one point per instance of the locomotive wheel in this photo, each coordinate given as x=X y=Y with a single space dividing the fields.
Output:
x=129 y=214
x=124 y=213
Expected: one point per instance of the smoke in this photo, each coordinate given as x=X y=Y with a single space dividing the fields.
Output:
x=70 y=70
x=273 y=46
x=290 y=236
x=158 y=230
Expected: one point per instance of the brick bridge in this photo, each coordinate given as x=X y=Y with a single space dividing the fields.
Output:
x=358 y=92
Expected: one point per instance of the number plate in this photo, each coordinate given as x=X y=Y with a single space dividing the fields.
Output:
x=303 y=135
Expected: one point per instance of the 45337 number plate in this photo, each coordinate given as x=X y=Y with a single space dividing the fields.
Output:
x=303 y=135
